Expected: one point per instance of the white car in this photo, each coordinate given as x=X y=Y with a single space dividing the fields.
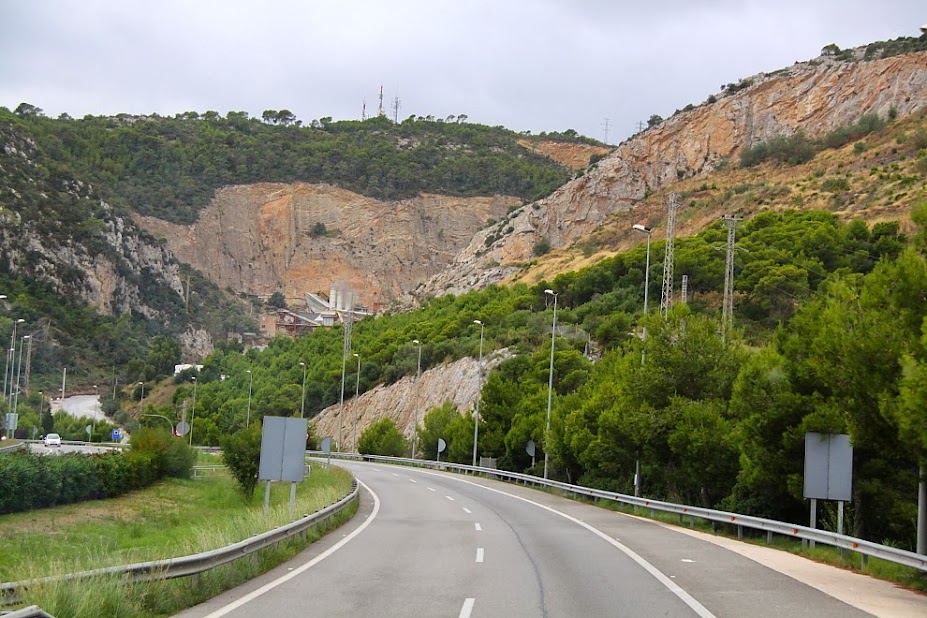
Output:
x=52 y=439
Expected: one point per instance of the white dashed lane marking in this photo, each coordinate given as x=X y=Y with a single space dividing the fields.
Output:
x=466 y=510
x=478 y=527
x=467 y=607
x=479 y=554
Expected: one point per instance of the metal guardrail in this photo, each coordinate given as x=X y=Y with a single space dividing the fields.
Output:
x=195 y=564
x=33 y=611
x=12 y=447
x=770 y=526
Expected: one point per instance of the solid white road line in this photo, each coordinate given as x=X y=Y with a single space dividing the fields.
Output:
x=479 y=554
x=222 y=611
x=684 y=596
x=478 y=527
x=467 y=607
x=466 y=510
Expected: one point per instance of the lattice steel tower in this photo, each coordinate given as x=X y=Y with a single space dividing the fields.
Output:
x=666 y=296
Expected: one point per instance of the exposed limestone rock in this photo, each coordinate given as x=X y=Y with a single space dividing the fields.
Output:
x=457 y=382
x=575 y=156
x=266 y=237
x=816 y=97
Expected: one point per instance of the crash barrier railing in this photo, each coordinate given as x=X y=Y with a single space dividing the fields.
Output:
x=195 y=564
x=770 y=526
x=33 y=611
x=9 y=448
x=205 y=471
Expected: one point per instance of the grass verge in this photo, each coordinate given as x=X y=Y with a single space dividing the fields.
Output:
x=172 y=518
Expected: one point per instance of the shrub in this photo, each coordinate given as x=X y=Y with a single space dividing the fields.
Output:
x=169 y=455
x=241 y=452
x=383 y=438
x=541 y=247
x=792 y=149
x=835 y=185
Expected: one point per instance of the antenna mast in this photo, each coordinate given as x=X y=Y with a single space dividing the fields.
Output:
x=380 y=111
x=605 y=124
x=364 y=109
x=396 y=105
x=666 y=296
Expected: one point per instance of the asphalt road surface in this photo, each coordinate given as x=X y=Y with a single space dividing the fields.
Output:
x=434 y=544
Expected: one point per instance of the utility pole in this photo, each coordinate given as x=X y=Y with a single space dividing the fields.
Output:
x=640 y=126
x=727 y=307
x=605 y=124
x=666 y=296
x=28 y=366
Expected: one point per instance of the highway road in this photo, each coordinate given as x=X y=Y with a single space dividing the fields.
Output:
x=41 y=449
x=432 y=544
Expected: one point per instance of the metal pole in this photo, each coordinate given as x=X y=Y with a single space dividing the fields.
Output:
x=6 y=370
x=814 y=518
x=302 y=406
x=637 y=478
x=479 y=375
x=142 y=384
x=169 y=423
x=193 y=413
x=19 y=371
x=344 y=362
x=250 y=383
x=649 y=232
x=356 y=403
x=11 y=364
x=550 y=381
x=922 y=511
x=64 y=379
x=418 y=375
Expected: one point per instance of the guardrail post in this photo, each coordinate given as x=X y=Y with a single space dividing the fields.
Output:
x=195 y=581
x=769 y=537
x=863 y=561
x=740 y=532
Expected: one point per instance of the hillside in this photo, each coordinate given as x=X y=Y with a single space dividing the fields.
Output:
x=816 y=97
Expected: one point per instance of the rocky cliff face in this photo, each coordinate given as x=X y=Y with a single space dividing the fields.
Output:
x=457 y=382
x=54 y=229
x=815 y=97
x=302 y=238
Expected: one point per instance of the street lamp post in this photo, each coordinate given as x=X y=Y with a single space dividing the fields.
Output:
x=649 y=231
x=550 y=381
x=10 y=364
x=169 y=423
x=302 y=406
x=142 y=384
x=19 y=370
x=248 y=415
x=356 y=394
x=479 y=390
x=344 y=363
x=193 y=414
x=418 y=375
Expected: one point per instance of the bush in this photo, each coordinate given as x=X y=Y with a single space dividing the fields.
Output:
x=29 y=481
x=541 y=247
x=169 y=455
x=383 y=438
x=793 y=150
x=241 y=452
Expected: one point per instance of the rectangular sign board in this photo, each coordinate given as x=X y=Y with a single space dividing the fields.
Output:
x=828 y=467
x=283 y=449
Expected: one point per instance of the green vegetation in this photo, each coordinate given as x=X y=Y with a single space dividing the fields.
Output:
x=797 y=148
x=170 y=167
x=29 y=481
x=241 y=452
x=171 y=518
x=383 y=438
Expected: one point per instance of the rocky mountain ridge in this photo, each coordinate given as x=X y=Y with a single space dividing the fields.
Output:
x=815 y=97
x=299 y=238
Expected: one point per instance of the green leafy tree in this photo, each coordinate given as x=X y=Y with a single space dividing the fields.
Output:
x=383 y=438
x=434 y=426
x=241 y=452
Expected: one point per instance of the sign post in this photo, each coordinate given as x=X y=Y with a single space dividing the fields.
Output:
x=828 y=473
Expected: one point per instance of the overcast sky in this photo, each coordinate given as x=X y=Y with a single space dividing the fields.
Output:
x=538 y=65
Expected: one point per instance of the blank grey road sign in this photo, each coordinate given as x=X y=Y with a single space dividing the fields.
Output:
x=828 y=467
x=283 y=449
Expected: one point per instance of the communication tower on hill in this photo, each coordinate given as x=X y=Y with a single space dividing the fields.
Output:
x=364 y=109
x=380 y=111
x=396 y=105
